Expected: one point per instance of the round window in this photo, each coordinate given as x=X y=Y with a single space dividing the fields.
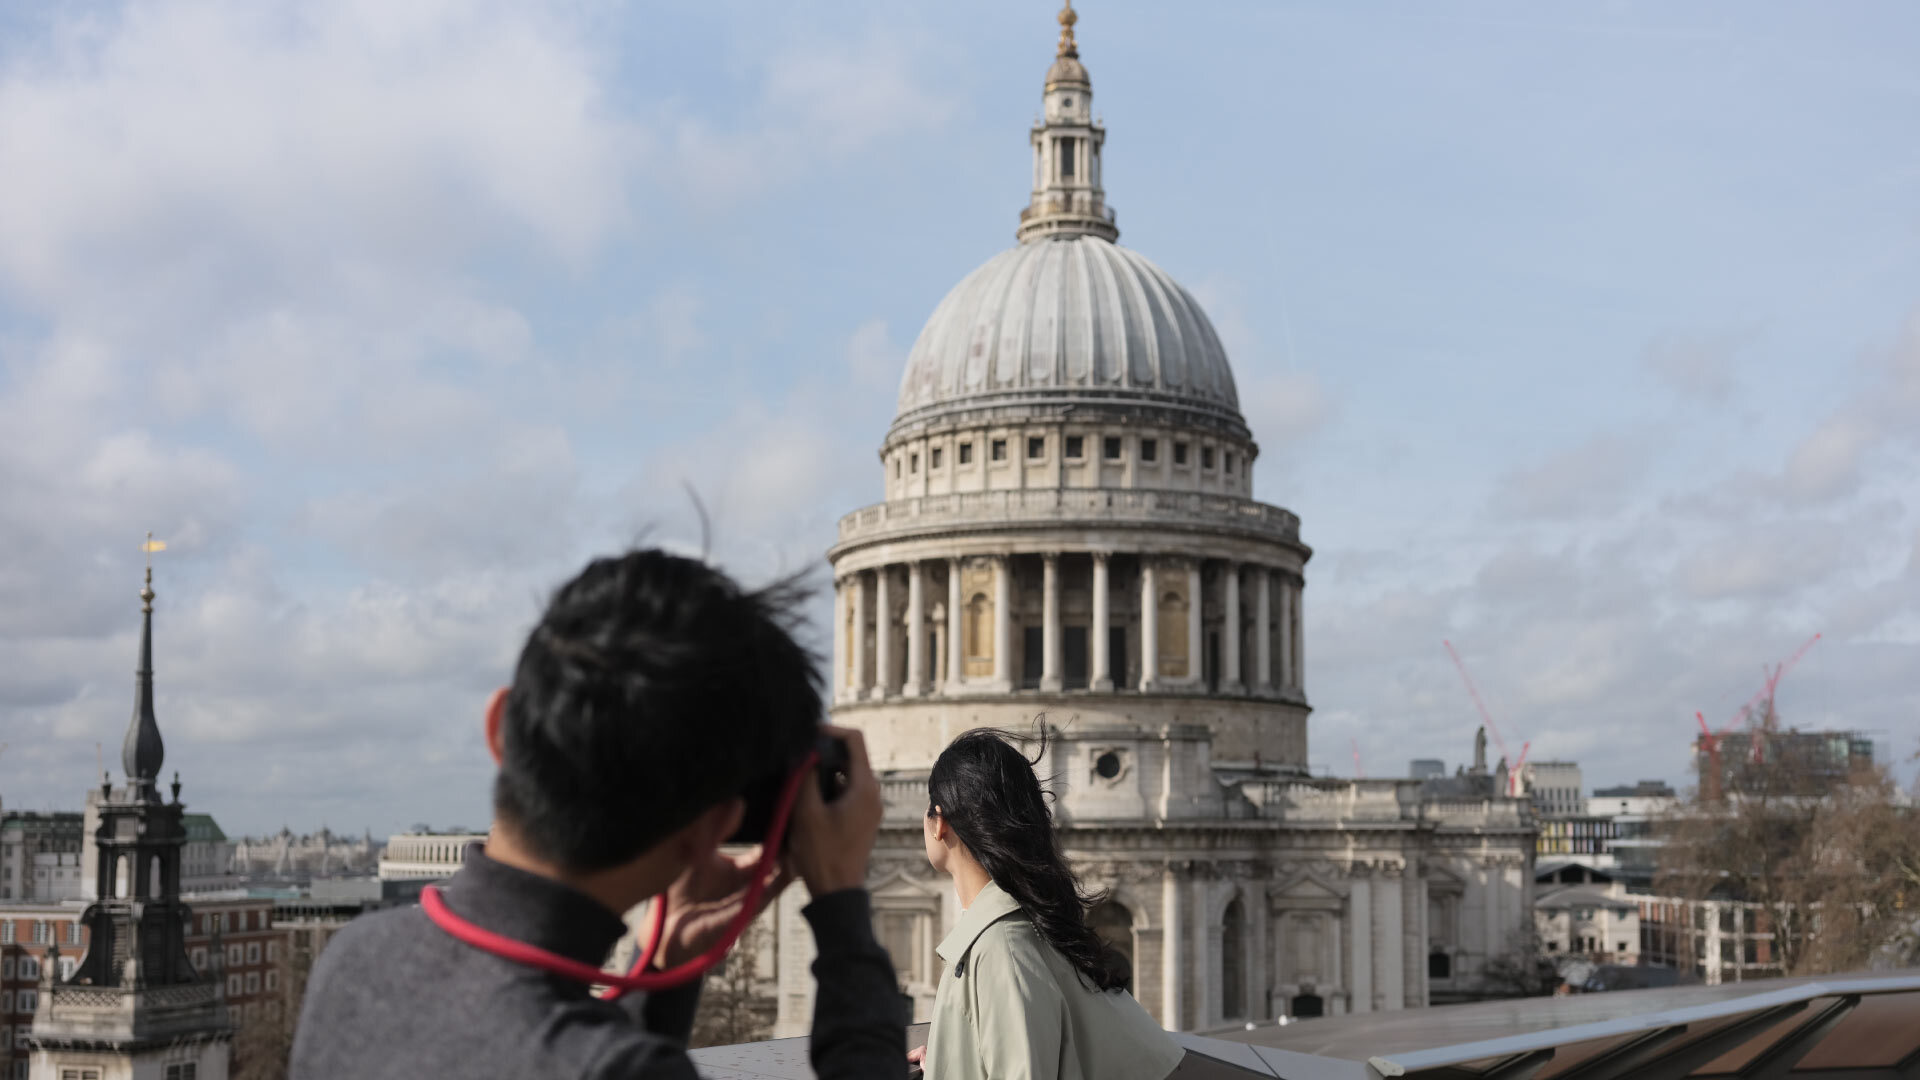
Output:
x=1107 y=765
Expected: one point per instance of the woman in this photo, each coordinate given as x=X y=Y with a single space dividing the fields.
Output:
x=1030 y=992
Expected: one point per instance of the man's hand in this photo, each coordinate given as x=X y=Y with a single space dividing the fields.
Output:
x=704 y=900
x=828 y=843
x=918 y=1055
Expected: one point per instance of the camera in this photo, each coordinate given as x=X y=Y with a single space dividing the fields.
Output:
x=763 y=796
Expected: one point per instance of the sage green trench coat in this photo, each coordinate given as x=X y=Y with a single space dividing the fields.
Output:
x=1010 y=1007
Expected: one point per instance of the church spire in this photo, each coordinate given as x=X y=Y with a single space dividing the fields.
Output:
x=142 y=753
x=1067 y=198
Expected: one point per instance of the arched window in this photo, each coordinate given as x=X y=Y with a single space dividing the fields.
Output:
x=1114 y=923
x=122 y=878
x=1233 y=962
x=1175 y=649
x=979 y=627
x=153 y=877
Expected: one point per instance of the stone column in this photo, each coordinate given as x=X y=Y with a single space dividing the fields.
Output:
x=1196 y=647
x=1050 y=622
x=1149 y=626
x=882 y=632
x=916 y=631
x=956 y=648
x=1171 y=952
x=1393 y=941
x=1418 y=989
x=1263 y=629
x=1206 y=959
x=840 y=679
x=1286 y=632
x=1360 y=935
x=1296 y=632
x=1490 y=905
x=858 y=688
x=1102 y=673
x=1003 y=622
x=1230 y=641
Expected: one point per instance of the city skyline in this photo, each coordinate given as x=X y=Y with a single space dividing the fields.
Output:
x=1586 y=343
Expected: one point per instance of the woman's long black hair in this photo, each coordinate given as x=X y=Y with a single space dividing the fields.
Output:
x=986 y=791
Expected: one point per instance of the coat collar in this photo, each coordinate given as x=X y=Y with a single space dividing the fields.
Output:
x=992 y=905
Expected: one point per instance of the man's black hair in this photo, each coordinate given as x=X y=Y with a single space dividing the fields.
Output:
x=653 y=688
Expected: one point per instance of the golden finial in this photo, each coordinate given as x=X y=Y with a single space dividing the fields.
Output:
x=1067 y=19
x=151 y=546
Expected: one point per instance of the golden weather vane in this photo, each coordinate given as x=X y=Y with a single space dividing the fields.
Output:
x=146 y=592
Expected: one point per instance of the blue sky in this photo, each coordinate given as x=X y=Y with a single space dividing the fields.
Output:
x=1583 y=335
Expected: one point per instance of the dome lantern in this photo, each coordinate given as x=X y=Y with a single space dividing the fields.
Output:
x=1067 y=198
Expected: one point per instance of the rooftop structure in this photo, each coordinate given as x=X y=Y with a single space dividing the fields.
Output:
x=1789 y=761
x=1847 y=1027
x=425 y=856
x=1645 y=789
x=1555 y=788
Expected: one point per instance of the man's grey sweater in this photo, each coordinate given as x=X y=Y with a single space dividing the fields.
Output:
x=395 y=996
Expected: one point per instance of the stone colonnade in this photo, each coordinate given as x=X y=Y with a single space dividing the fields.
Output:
x=960 y=639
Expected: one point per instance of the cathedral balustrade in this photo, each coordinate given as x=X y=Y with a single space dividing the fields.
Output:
x=152 y=1011
x=1333 y=801
x=905 y=797
x=1054 y=506
x=1104 y=211
x=1490 y=813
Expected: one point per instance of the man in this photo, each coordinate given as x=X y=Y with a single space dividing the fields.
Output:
x=652 y=694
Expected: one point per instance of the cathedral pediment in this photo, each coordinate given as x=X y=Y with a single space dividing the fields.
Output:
x=898 y=886
x=1307 y=885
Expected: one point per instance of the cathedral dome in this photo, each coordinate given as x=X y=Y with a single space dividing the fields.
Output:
x=1070 y=318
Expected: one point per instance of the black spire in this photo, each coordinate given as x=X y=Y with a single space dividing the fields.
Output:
x=142 y=753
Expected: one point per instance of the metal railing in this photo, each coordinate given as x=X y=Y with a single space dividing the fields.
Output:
x=1376 y=801
x=1059 y=505
x=1102 y=212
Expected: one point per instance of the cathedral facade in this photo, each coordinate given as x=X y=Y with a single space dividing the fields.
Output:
x=1069 y=538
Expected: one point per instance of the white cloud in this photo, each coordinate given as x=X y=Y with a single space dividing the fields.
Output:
x=1832 y=461
x=821 y=102
x=1826 y=464
x=1283 y=404
x=1592 y=479
x=209 y=145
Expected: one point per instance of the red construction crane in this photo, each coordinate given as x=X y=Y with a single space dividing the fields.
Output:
x=1768 y=717
x=1486 y=717
x=1710 y=740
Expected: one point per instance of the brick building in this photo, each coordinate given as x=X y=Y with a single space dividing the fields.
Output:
x=27 y=930
x=233 y=938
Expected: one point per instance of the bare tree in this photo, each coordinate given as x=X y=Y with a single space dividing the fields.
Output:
x=1525 y=969
x=1831 y=868
x=732 y=1007
x=1865 y=867
x=263 y=1045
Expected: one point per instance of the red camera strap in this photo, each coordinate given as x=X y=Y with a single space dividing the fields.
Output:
x=637 y=978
